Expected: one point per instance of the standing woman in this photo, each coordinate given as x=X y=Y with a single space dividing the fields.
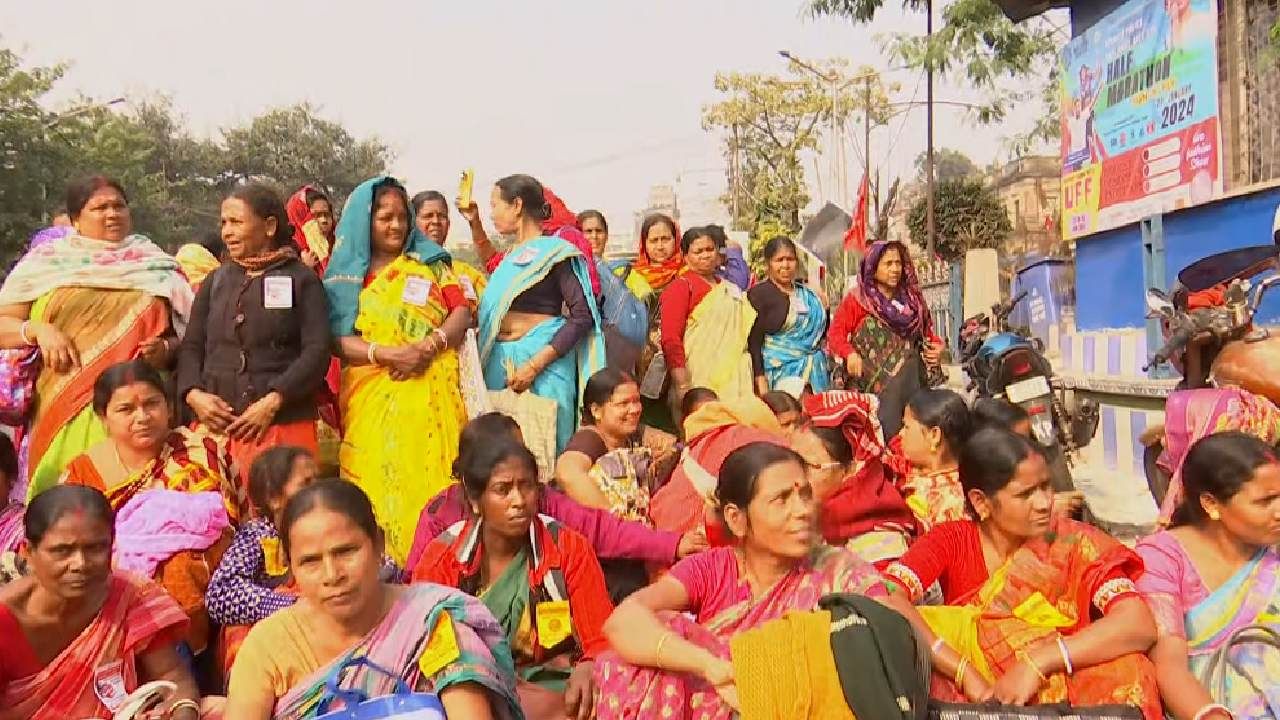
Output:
x=596 y=229
x=398 y=313
x=883 y=330
x=539 y=327
x=97 y=297
x=705 y=325
x=258 y=345
x=431 y=215
x=310 y=212
x=791 y=322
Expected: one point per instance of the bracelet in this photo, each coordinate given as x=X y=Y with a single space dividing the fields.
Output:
x=1211 y=707
x=444 y=339
x=657 y=653
x=22 y=333
x=373 y=347
x=933 y=649
x=1066 y=657
x=1024 y=657
x=960 y=670
x=187 y=703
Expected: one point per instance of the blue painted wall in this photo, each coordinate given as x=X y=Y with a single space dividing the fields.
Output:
x=1109 y=284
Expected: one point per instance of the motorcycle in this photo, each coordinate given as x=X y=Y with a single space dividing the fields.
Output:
x=1207 y=323
x=1002 y=363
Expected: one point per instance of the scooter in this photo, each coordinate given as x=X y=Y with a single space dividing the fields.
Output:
x=1002 y=363
x=1207 y=323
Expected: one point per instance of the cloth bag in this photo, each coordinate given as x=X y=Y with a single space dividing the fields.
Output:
x=475 y=396
x=536 y=417
x=18 y=371
x=403 y=704
x=1214 y=676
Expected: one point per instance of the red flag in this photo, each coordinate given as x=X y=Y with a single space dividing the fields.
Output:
x=856 y=238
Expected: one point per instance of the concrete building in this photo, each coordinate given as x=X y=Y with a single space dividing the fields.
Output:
x=1030 y=189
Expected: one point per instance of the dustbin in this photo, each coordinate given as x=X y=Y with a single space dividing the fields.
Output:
x=1050 y=290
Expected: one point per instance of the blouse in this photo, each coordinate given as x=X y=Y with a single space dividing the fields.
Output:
x=678 y=300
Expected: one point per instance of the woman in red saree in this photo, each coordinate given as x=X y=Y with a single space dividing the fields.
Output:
x=666 y=665
x=1042 y=609
x=110 y=632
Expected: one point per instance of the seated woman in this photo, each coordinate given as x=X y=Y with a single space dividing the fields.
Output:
x=1043 y=609
x=399 y=314
x=786 y=341
x=696 y=399
x=1000 y=413
x=852 y=476
x=177 y=539
x=610 y=536
x=787 y=409
x=252 y=580
x=671 y=640
x=78 y=636
x=539 y=327
x=705 y=324
x=540 y=579
x=935 y=426
x=1215 y=572
x=431 y=638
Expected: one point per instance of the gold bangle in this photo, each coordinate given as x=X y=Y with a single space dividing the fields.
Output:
x=187 y=703
x=657 y=653
x=1023 y=656
x=960 y=670
x=373 y=348
x=22 y=333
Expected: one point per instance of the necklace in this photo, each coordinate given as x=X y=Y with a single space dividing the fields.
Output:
x=123 y=466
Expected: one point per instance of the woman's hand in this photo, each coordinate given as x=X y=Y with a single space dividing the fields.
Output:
x=932 y=354
x=404 y=361
x=692 y=542
x=56 y=348
x=211 y=410
x=522 y=379
x=155 y=352
x=580 y=692
x=853 y=365
x=1018 y=685
x=719 y=674
x=309 y=259
x=470 y=213
x=762 y=385
x=252 y=424
x=976 y=688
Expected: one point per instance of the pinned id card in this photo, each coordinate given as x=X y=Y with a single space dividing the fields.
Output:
x=799 y=305
x=442 y=647
x=416 y=290
x=108 y=684
x=554 y=623
x=525 y=256
x=277 y=292
x=468 y=289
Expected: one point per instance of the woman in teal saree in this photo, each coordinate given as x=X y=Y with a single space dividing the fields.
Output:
x=539 y=325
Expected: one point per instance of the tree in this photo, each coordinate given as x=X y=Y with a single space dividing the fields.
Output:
x=948 y=164
x=770 y=122
x=978 y=44
x=968 y=214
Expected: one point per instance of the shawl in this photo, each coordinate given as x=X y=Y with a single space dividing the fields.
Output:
x=349 y=264
x=306 y=231
x=48 y=235
x=659 y=275
x=155 y=525
x=906 y=313
x=134 y=263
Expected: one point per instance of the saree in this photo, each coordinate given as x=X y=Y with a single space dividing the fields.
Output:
x=935 y=497
x=398 y=429
x=11 y=529
x=795 y=356
x=643 y=693
x=1183 y=607
x=196 y=262
x=715 y=342
x=306 y=229
x=133 y=615
x=564 y=379
x=397 y=644
x=1047 y=587
x=1194 y=414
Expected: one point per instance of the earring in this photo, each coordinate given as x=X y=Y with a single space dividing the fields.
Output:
x=1213 y=515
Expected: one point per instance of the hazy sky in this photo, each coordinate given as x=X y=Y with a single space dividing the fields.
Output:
x=598 y=98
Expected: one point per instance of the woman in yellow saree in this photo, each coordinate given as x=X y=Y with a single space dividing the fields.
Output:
x=398 y=312
x=97 y=297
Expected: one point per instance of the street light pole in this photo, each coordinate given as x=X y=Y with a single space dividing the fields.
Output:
x=930 y=220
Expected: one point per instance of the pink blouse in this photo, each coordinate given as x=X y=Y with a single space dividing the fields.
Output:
x=1171 y=584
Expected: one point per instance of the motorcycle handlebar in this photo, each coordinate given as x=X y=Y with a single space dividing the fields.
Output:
x=1007 y=308
x=1176 y=342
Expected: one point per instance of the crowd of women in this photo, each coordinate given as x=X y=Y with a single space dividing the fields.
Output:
x=317 y=460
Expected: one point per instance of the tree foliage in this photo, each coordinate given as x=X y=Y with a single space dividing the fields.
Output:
x=948 y=164
x=175 y=181
x=968 y=215
x=771 y=123
x=976 y=43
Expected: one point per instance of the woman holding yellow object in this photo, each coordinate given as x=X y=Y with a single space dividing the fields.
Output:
x=398 y=312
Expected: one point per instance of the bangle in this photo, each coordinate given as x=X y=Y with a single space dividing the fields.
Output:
x=373 y=348
x=1211 y=707
x=444 y=339
x=657 y=653
x=933 y=649
x=22 y=333
x=1024 y=657
x=1066 y=657
x=960 y=670
x=186 y=703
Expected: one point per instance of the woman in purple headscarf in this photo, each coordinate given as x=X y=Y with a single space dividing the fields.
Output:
x=883 y=335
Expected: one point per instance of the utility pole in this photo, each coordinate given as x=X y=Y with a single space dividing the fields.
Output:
x=866 y=147
x=930 y=221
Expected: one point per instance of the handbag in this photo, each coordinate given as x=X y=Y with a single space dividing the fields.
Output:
x=18 y=371
x=403 y=704
x=965 y=711
x=1214 y=675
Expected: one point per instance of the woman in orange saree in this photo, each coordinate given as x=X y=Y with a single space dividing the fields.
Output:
x=97 y=297
x=1041 y=609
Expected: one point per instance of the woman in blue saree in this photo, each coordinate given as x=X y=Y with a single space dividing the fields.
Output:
x=1213 y=574
x=786 y=341
x=539 y=326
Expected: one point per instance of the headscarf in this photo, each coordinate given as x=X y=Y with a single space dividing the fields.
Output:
x=306 y=229
x=1191 y=415
x=561 y=216
x=868 y=499
x=196 y=262
x=906 y=313
x=353 y=251
x=659 y=275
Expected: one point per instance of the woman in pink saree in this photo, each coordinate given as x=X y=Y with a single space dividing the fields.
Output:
x=666 y=665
